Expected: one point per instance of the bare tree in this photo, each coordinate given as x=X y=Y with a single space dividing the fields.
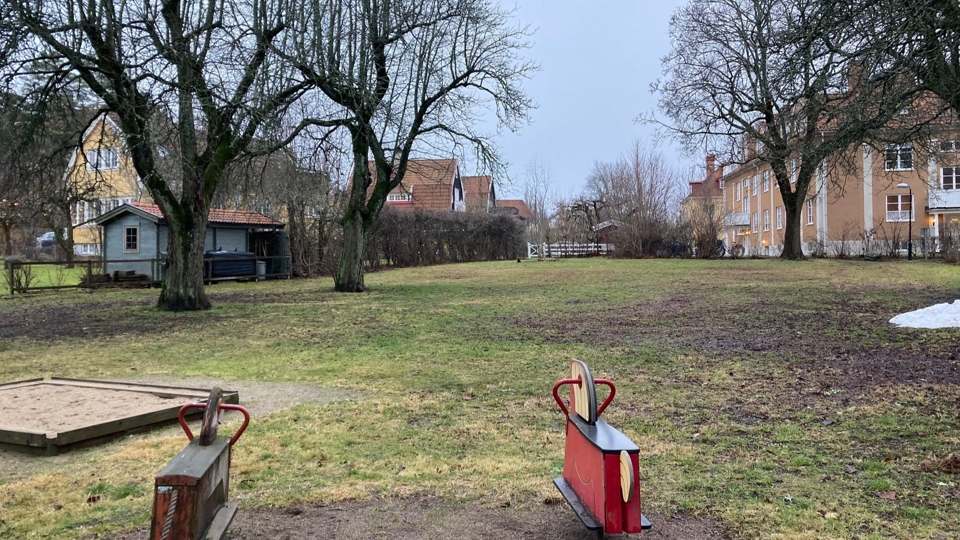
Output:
x=785 y=82
x=537 y=195
x=641 y=194
x=207 y=68
x=924 y=35
x=404 y=77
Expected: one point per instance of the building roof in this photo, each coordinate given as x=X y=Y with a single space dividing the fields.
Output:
x=429 y=182
x=523 y=210
x=477 y=191
x=217 y=216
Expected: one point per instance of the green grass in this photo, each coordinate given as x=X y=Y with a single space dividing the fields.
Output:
x=49 y=275
x=749 y=386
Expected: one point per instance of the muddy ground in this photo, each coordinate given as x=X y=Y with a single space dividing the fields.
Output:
x=427 y=518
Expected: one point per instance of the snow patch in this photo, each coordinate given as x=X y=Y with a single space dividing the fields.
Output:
x=937 y=316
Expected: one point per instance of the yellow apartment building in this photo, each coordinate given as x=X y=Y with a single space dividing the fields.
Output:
x=854 y=206
x=101 y=173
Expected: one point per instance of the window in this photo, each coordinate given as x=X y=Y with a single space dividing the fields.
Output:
x=739 y=191
x=131 y=239
x=759 y=147
x=766 y=181
x=745 y=207
x=753 y=186
x=793 y=171
x=899 y=157
x=103 y=159
x=809 y=211
x=779 y=217
x=766 y=220
x=949 y=146
x=898 y=208
x=950 y=178
x=754 y=220
x=400 y=197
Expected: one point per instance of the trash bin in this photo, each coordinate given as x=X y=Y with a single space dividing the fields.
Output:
x=261 y=270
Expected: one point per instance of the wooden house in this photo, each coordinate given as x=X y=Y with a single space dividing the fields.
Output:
x=135 y=238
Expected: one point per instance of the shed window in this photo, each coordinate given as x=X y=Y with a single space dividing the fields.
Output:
x=131 y=240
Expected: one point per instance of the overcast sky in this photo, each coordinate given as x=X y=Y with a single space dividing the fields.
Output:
x=598 y=59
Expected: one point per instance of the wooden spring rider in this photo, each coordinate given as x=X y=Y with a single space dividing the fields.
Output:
x=601 y=475
x=190 y=499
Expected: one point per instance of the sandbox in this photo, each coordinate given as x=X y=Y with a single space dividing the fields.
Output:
x=50 y=416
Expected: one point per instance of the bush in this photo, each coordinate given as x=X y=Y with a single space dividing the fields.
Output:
x=418 y=238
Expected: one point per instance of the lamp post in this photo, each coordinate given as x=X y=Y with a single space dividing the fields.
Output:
x=904 y=185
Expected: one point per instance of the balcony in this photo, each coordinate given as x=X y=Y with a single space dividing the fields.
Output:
x=944 y=198
x=737 y=220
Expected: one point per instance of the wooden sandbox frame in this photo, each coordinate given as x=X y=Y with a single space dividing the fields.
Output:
x=53 y=443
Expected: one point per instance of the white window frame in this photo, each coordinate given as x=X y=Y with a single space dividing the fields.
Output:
x=766 y=220
x=779 y=218
x=756 y=223
x=793 y=171
x=126 y=244
x=738 y=192
x=753 y=185
x=903 y=212
x=954 y=176
x=898 y=157
x=103 y=159
x=399 y=197
x=810 y=211
x=949 y=146
x=766 y=181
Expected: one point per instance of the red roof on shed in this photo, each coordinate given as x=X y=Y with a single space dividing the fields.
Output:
x=219 y=216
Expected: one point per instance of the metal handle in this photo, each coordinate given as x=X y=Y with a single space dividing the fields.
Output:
x=227 y=406
x=613 y=392
x=556 y=396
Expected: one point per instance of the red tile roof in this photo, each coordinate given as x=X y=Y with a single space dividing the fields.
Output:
x=476 y=192
x=428 y=181
x=522 y=209
x=221 y=217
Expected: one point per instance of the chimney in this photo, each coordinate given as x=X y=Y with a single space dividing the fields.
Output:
x=711 y=165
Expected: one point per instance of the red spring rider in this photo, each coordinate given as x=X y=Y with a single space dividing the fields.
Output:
x=601 y=475
x=190 y=501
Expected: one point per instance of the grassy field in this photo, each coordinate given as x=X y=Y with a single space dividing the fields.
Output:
x=771 y=396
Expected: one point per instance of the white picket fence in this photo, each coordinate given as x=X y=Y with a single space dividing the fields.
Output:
x=567 y=249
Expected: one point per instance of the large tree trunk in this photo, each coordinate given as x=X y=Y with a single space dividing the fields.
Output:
x=182 y=288
x=7 y=238
x=792 y=247
x=350 y=275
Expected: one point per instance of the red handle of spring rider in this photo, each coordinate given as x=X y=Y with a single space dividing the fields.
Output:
x=223 y=406
x=578 y=381
x=556 y=396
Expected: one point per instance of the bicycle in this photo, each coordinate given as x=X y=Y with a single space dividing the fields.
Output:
x=736 y=250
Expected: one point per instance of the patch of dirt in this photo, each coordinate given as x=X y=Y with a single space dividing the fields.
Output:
x=428 y=518
x=65 y=321
x=842 y=343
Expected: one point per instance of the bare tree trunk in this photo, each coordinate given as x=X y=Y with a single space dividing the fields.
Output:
x=350 y=275
x=182 y=288
x=7 y=238
x=792 y=247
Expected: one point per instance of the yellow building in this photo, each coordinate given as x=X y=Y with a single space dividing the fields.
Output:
x=102 y=177
x=860 y=202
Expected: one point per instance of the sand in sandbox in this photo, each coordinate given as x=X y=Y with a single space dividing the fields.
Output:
x=55 y=408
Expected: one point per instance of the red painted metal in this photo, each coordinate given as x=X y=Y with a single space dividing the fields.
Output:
x=613 y=392
x=592 y=467
x=556 y=394
x=223 y=406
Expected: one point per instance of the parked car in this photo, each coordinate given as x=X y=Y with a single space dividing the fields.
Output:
x=46 y=239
